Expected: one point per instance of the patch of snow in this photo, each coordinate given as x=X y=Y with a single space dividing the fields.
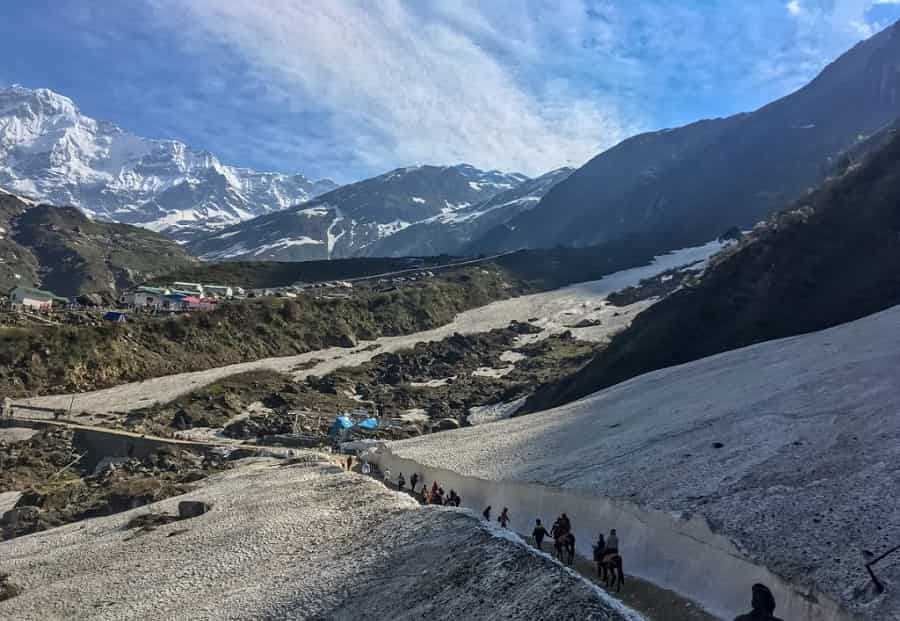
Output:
x=482 y=414
x=512 y=356
x=492 y=372
x=434 y=383
x=418 y=199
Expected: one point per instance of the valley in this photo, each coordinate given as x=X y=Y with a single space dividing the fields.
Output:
x=650 y=377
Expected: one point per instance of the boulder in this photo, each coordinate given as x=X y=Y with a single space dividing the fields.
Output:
x=191 y=509
x=446 y=424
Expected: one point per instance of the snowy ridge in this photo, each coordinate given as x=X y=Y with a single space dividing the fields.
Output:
x=361 y=218
x=51 y=152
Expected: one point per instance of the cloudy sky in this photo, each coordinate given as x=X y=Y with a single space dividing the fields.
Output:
x=348 y=89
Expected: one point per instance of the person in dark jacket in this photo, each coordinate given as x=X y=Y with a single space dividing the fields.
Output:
x=487 y=513
x=539 y=533
x=504 y=517
x=413 y=480
x=401 y=482
x=763 y=605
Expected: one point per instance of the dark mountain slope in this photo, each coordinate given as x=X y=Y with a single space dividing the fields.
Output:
x=60 y=249
x=832 y=258
x=687 y=185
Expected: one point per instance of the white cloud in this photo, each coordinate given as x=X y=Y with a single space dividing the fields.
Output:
x=793 y=7
x=401 y=85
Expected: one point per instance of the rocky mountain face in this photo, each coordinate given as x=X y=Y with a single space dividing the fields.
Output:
x=833 y=257
x=361 y=219
x=51 y=152
x=60 y=249
x=687 y=185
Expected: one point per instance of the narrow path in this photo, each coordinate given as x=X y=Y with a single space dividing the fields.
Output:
x=654 y=602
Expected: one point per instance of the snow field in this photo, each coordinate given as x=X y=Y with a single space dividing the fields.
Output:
x=783 y=455
x=303 y=541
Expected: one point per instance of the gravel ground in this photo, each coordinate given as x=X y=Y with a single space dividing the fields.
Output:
x=554 y=311
x=790 y=449
x=302 y=541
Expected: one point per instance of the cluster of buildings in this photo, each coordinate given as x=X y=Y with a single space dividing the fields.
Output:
x=180 y=296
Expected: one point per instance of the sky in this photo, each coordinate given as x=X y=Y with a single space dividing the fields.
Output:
x=349 y=89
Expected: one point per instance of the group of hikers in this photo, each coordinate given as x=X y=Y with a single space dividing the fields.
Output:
x=606 y=549
x=434 y=495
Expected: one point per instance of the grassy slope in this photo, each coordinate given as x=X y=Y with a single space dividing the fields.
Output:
x=77 y=255
x=834 y=257
x=64 y=358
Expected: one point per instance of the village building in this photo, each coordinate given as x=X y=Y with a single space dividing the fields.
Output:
x=36 y=299
x=218 y=291
x=146 y=297
x=193 y=288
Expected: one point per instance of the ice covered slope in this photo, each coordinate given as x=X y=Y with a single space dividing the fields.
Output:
x=52 y=152
x=293 y=542
x=783 y=455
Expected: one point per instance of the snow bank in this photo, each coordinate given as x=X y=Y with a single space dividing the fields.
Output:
x=783 y=455
x=304 y=541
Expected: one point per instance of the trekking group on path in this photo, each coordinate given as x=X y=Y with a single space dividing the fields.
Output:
x=606 y=549
x=435 y=495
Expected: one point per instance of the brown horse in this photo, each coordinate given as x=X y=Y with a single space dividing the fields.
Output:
x=564 y=545
x=612 y=574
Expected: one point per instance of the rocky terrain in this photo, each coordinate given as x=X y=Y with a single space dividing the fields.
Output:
x=59 y=249
x=55 y=488
x=432 y=386
x=51 y=152
x=553 y=311
x=829 y=258
x=284 y=541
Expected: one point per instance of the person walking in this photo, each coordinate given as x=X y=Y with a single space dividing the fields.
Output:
x=387 y=475
x=538 y=534
x=762 y=603
x=413 y=480
x=401 y=482
x=366 y=468
x=487 y=513
x=504 y=517
x=349 y=462
x=599 y=550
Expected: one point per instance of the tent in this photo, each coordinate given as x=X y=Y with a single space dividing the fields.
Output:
x=116 y=317
x=369 y=423
x=341 y=423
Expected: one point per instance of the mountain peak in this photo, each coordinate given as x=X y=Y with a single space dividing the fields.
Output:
x=50 y=151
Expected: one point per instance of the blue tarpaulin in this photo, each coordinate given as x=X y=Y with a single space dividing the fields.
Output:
x=369 y=423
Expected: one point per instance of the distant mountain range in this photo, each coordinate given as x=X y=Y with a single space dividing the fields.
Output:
x=687 y=185
x=51 y=152
x=60 y=249
x=420 y=210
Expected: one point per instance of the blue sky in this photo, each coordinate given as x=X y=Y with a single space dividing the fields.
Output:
x=350 y=89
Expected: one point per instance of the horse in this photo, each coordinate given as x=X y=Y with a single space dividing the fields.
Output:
x=564 y=546
x=610 y=568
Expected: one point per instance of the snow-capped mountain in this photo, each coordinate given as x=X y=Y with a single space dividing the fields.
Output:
x=449 y=232
x=357 y=219
x=51 y=152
